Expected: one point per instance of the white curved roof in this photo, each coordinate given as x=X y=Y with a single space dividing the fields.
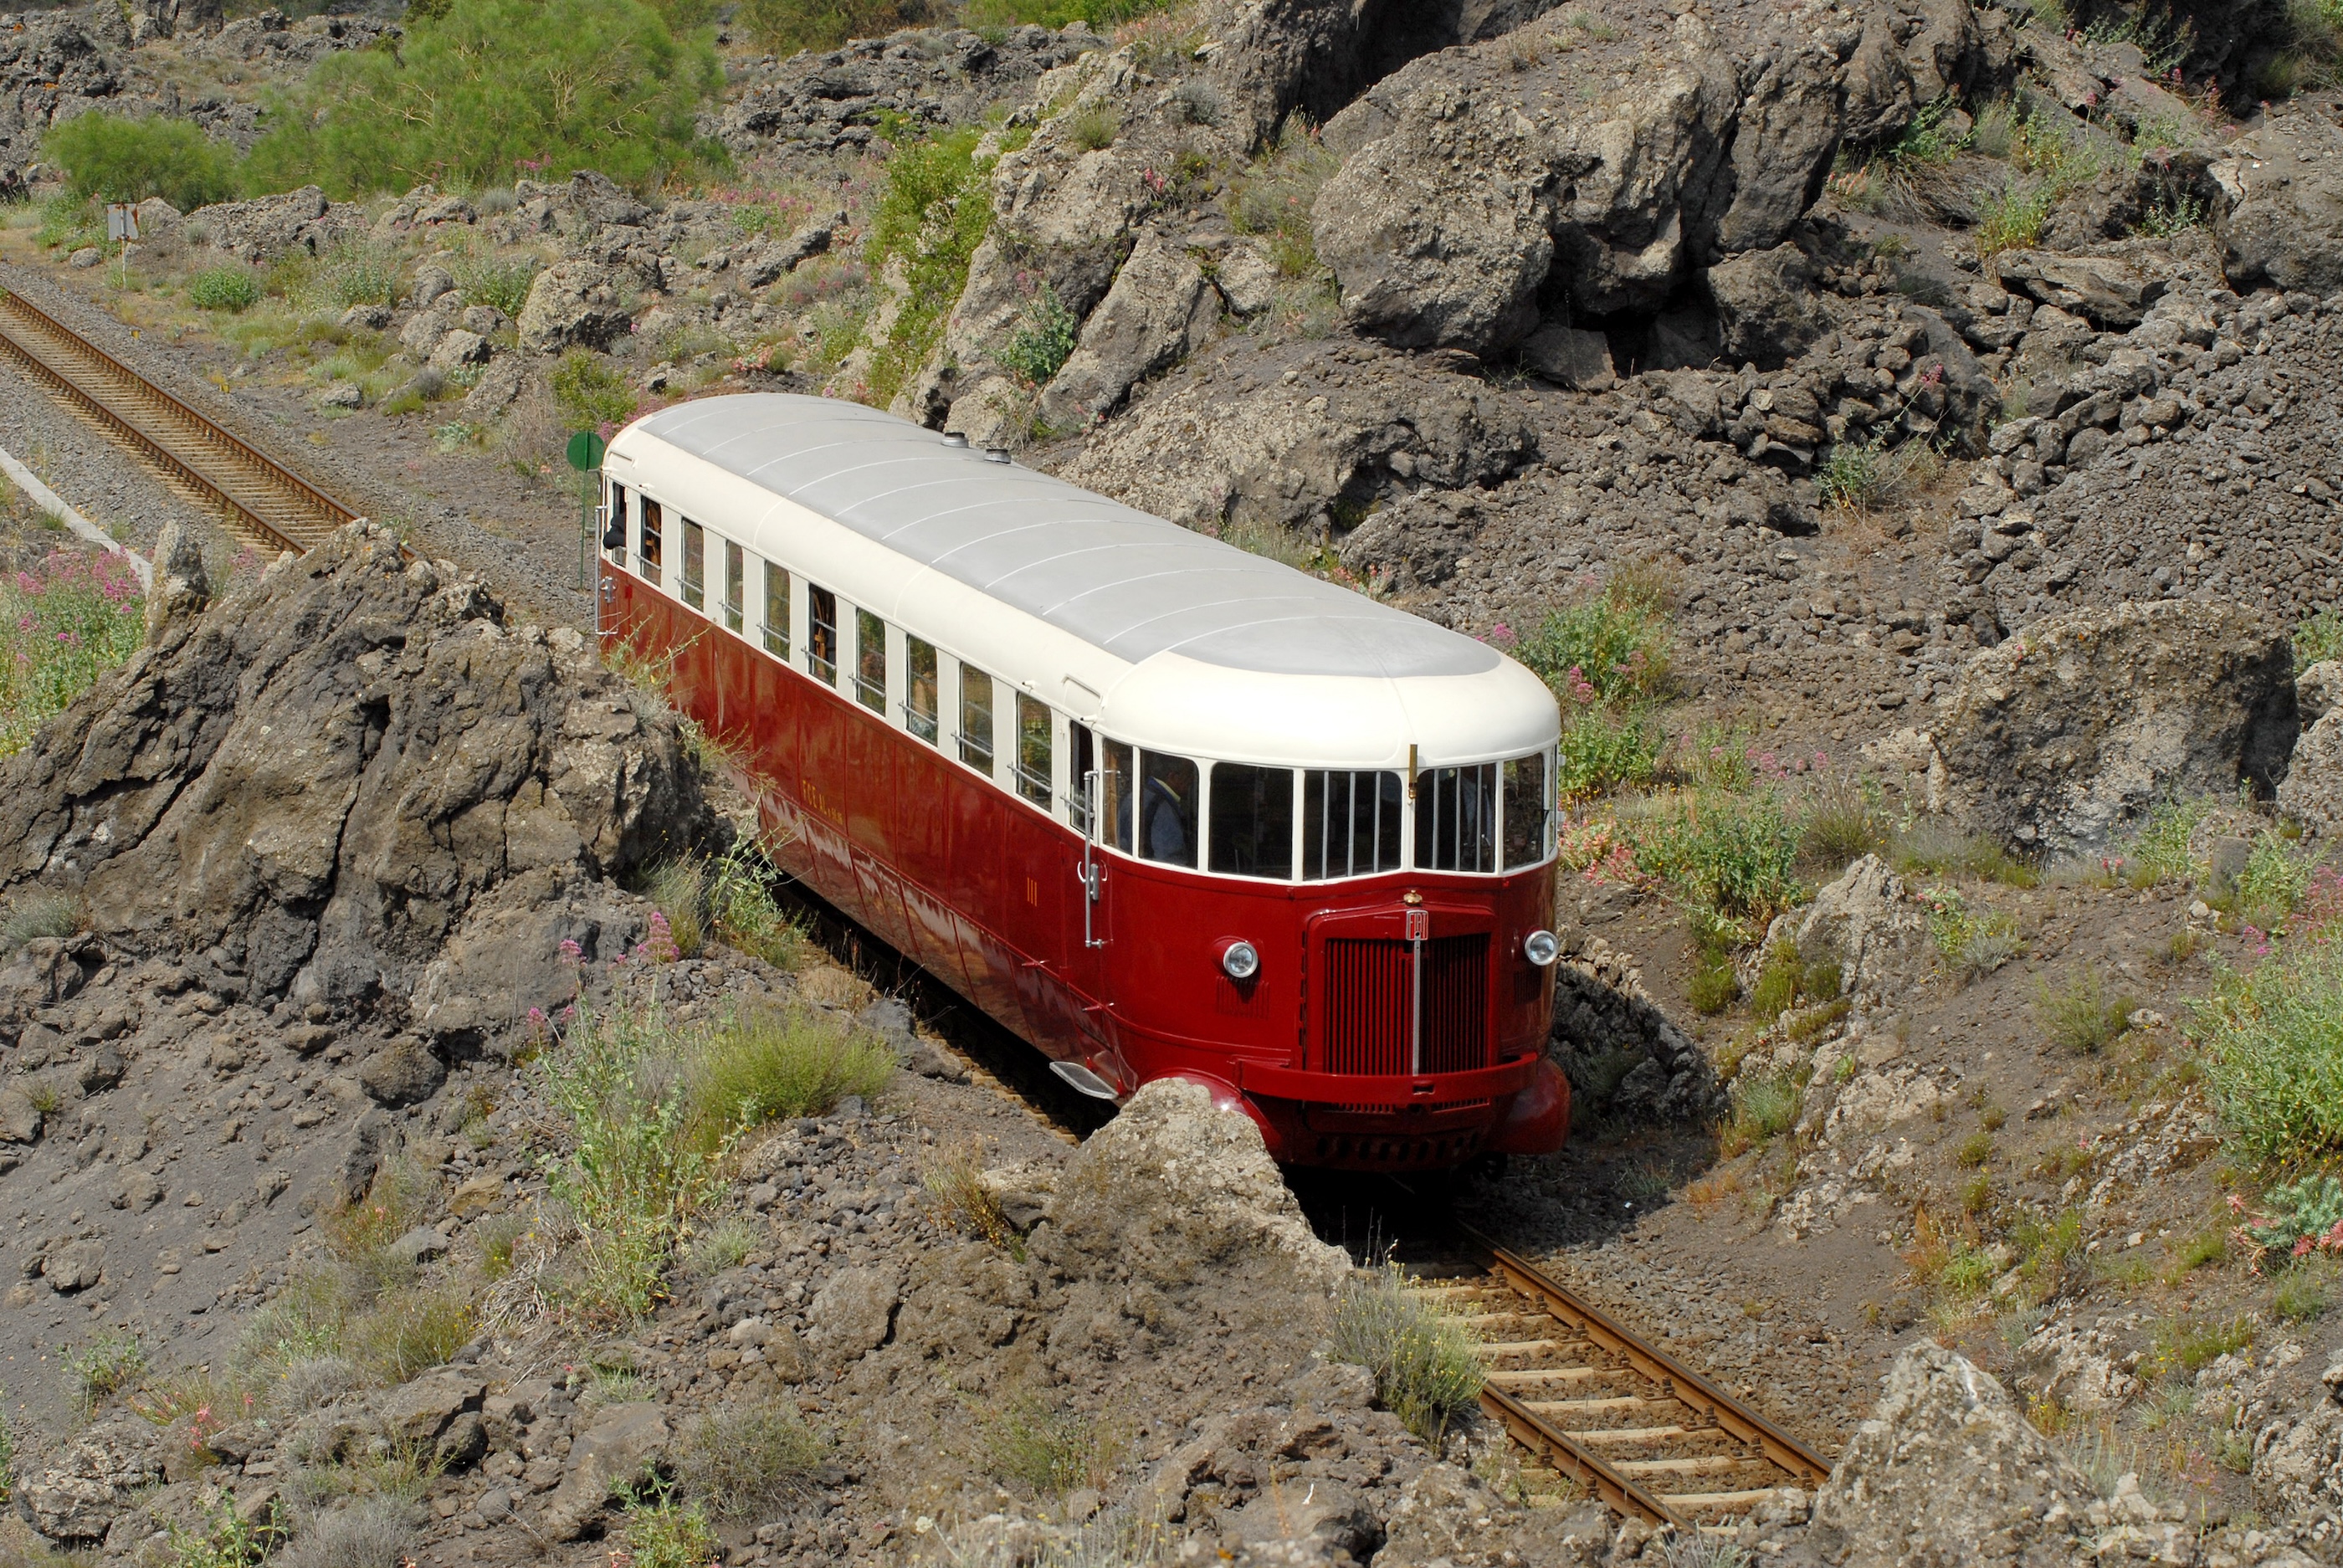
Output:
x=1125 y=582
x=1166 y=637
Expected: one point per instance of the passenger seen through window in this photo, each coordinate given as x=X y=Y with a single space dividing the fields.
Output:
x=647 y=558
x=1167 y=808
x=821 y=634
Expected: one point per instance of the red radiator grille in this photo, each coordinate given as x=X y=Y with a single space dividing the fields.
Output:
x=1369 y=1001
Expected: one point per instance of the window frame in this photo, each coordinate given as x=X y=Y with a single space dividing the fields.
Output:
x=691 y=567
x=870 y=694
x=815 y=627
x=651 y=541
x=736 y=587
x=922 y=726
x=1034 y=788
x=962 y=741
x=1211 y=808
x=765 y=628
x=620 y=496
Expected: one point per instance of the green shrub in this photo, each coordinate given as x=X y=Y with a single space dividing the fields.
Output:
x=105 y=1366
x=2276 y=880
x=121 y=160
x=2273 y=1038
x=497 y=281
x=1039 y=348
x=469 y=95
x=2160 y=849
x=1095 y=127
x=1844 y=820
x=1973 y=942
x=2317 y=638
x=785 y=26
x=590 y=393
x=934 y=212
x=1610 y=649
x=63 y=624
x=228 y=1541
x=1605 y=748
x=224 y=288
x=2185 y=1345
x=767 y=1064
x=2305 y=1291
x=2302 y=1217
x=660 y=1533
x=1733 y=856
x=409 y=1330
x=742 y=1459
x=2081 y=1015
x=1934 y=845
x=742 y=907
x=1426 y=1370
x=1273 y=197
x=2011 y=217
x=633 y=1173
x=1715 y=986
x=1850 y=475
x=679 y=889
x=1973 y=1151
x=356 y=271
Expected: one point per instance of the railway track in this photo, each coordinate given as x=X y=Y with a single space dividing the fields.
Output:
x=258 y=497
x=1594 y=1405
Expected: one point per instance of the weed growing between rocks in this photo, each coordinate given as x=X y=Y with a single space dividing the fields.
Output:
x=375 y=1532
x=2082 y=1015
x=1764 y=1106
x=36 y=915
x=61 y=625
x=1273 y=197
x=109 y=1365
x=1046 y=1447
x=1426 y=1370
x=954 y=1181
x=1971 y=942
x=934 y=213
x=768 y=1064
x=229 y=1539
x=740 y=1460
x=2269 y=1037
x=662 y=1533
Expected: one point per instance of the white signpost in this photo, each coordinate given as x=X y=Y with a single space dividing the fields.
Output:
x=122 y=224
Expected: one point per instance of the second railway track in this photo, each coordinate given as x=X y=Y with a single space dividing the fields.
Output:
x=259 y=496
x=1597 y=1405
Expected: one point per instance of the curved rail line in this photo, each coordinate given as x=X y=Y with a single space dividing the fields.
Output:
x=1595 y=1403
x=259 y=494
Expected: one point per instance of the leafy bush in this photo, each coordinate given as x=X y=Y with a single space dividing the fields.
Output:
x=2301 y=1218
x=2011 y=217
x=222 y=288
x=1613 y=646
x=2160 y=850
x=63 y=624
x=473 y=93
x=497 y=281
x=2273 y=1038
x=106 y=1365
x=785 y=26
x=2081 y=1015
x=750 y=1459
x=934 y=212
x=1039 y=348
x=1426 y=1370
x=2317 y=638
x=2276 y=880
x=1973 y=942
x=121 y=160
x=660 y=1533
x=764 y=1065
x=1733 y=856
x=229 y=1540
x=590 y=393
x=1850 y=475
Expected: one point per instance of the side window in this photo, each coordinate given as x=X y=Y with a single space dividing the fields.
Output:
x=1456 y=818
x=870 y=661
x=777 y=609
x=695 y=564
x=1525 y=811
x=647 y=558
x=1349 y=823
x=1115 y=790
x=1032 y=767
x=1167 y=808
x=614 y=526
x=976 y=719
x=736 y=587
x=1252 y=821
x=919 y=711
x=821 y=634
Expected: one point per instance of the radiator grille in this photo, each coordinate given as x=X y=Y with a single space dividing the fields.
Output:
x=1370 y=998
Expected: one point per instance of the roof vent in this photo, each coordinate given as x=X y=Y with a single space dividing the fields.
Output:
x=954 y=438
x=996 y=454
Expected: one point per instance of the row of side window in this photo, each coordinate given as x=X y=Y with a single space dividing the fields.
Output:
x=1253 y=821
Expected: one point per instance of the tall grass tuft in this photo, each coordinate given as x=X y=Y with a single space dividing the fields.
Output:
x=768 y=1064
x=1764 y=1106
x=741 y=1460
x=1426 y=1370
x=2082 y=1015
x=63 y=624
x=1046 y=1446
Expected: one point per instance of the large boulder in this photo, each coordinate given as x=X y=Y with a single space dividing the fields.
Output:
x=1949 y=1471
x=2283 y=223
x=1287 y=452
x=1767 y=309
x=1179 y=1190
x=576 y=304
x=305 y=790
x=1606 y=159
x=614 y=1452
x=2061 y=735
x=2312 y=792
x=1865 y=922
x=2298 y=1459
x=93 y=1482
x=1155 y=316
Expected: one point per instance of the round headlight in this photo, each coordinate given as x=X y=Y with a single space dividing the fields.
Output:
x=1541 y=948
x=1240 y=961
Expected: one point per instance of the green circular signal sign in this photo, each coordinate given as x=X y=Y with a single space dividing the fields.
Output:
x=586 y=449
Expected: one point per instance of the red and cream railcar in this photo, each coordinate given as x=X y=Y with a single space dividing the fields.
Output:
x=1162 y=808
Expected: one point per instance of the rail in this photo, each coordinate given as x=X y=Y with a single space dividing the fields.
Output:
x=1565 y=1376
x=268 y=499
